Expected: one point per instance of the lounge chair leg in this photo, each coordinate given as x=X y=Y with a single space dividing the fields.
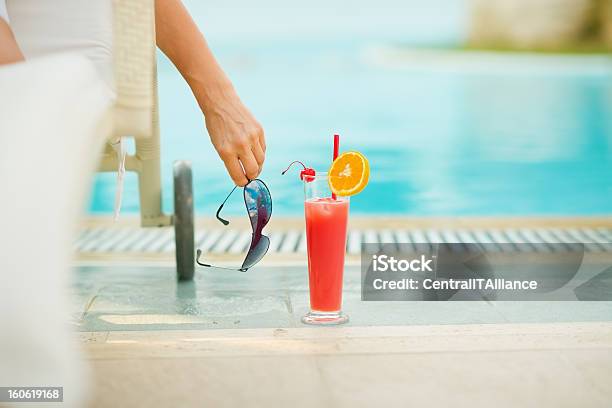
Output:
x=183 y=220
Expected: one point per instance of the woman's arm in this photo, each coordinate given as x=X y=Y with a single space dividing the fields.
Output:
x=234 y=132
x=9 y=50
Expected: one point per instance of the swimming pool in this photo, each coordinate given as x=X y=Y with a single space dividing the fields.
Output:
x=531 y=138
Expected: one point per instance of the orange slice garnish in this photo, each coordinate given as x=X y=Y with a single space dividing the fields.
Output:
x=349 y=174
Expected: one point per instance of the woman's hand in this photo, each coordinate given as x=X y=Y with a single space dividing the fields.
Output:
x=235 y=134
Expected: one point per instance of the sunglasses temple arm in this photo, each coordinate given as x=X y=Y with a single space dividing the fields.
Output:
x=199 y=252
x=225 y=222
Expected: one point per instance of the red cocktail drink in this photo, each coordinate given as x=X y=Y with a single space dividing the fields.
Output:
x=326 y=225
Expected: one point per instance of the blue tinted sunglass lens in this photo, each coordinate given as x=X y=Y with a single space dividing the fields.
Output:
x=259 y=204
x=258 y=249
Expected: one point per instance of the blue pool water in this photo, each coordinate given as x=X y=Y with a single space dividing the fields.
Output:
x=458 y=138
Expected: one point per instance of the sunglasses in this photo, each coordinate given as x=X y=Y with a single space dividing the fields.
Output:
x=258 y=202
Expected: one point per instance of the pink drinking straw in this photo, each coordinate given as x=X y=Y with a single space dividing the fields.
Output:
x=336 y=148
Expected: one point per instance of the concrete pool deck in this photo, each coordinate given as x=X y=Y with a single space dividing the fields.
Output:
x=127 y=298
x=233 y=339
x=526 y=365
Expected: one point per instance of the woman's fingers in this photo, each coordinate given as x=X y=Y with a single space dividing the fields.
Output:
x=245 y=163
x=262 y=140
x=259 y=154
x=235 y=170
x=251 y=168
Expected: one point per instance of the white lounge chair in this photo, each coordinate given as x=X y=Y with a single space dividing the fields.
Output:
x=136 y=114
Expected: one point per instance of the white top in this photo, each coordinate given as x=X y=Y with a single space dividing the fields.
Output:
x=3 y=12
x=44 y=27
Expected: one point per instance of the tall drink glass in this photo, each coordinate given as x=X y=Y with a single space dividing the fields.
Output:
x=326 y=223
